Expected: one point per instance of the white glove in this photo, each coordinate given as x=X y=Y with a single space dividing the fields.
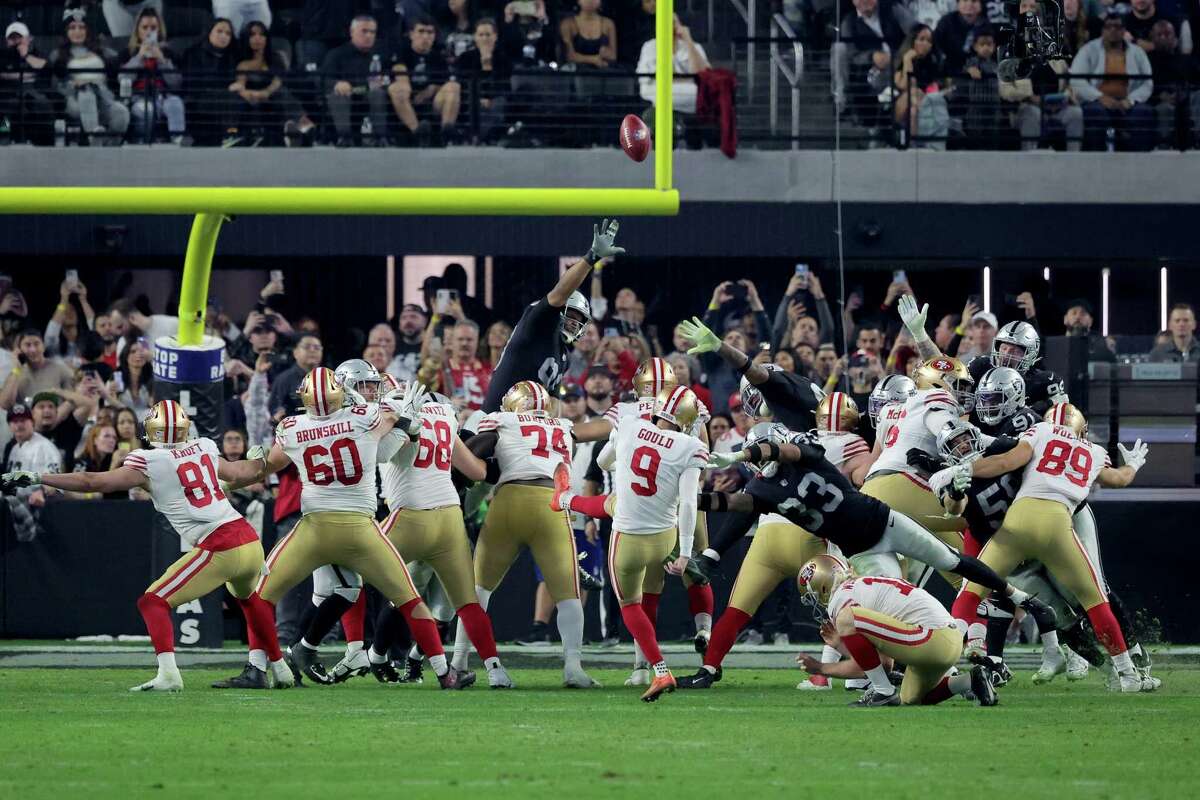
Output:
x=913 y=319
x=722 y=460
x=962 y=480
x=409 y=407
x=1134 y=456
x=256 y=453
x=943 y=479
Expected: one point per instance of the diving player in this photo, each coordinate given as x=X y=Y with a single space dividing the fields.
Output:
x=182 y=479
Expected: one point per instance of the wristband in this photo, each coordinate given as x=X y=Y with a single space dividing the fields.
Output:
x=713 y=306
x=712 y=501
x=958 y=331
x=761 y=451
x=744 y=368
x=61 y=307
x=591 y=258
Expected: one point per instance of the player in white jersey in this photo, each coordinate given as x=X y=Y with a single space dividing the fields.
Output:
x=528 y=446
x=1060 y=466
x=336 y=449
x=945 y=391
x=182 y=479
x=656 y=470
x=871 y=617
x=779 y=548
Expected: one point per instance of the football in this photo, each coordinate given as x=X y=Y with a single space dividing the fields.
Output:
x=635 y=137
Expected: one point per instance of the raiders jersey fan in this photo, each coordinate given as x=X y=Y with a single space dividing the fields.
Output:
x=539 y=347
x=1043 y=388
x=790 y=399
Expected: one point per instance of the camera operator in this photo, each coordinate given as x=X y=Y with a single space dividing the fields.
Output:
x=1114 y=103
x=1035 y=108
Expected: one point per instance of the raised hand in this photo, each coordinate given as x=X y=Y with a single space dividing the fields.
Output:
x=604 y=237
x=1134 y=456
x=702 y=338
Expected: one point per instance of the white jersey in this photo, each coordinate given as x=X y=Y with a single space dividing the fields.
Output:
x=1063 y=466
x=184 y=487
x=418 y=476
x=335 y=457
x=649 y=463
x=894 y=597
x=643 y=408
x=530 y=447
x=916 y=423
x=840 y=447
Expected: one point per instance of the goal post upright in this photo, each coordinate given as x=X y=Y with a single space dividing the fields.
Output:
x=664 y=74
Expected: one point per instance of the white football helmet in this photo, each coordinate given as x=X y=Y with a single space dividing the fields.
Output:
x=752 y=400
x=959 y=442
x=1000 y=394
x=360 y=380
x=1016 y=334
x=890 y=389
x=766 y=432
x=572 y=325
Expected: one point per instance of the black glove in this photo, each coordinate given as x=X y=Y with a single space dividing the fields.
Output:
x=918 y=458
x=705 y=566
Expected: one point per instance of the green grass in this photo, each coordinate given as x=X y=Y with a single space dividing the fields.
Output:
x=79 y=732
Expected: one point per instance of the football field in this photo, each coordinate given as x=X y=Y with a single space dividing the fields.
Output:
x=81 y=733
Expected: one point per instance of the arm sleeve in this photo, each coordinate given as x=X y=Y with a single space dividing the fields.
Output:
x=390 y=444
x=258 y=414
x=689 y=485
x=733 y=526
x=608 y=456
x=936 y=419
x=483 y=444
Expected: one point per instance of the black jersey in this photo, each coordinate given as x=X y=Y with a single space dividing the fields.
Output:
x=535 y=352
x=988 y=499
x=815 y=495
x=1042 y=387
x=793 y=399
x=1014 y=426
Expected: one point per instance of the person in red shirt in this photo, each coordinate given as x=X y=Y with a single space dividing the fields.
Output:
x=465 y=372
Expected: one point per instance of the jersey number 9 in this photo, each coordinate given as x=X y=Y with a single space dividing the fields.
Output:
x=644 y=464
x=323 y=473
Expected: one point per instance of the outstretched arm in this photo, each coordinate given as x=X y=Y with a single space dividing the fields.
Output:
x=117 y=480
x=914 y=320
x=470 y=465
x=757 y=453
x=603 y=249
x=252 y=470
x=705 y=341
x=592 y=430
x=994 y=466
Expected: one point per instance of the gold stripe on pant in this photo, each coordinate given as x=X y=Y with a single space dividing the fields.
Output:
x=927 y=654
x=200 y=571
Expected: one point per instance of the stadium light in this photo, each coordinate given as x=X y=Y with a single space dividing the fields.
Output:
x=1046 y=274
x=987 y=288
x=1104 y=274
x=1162 y=299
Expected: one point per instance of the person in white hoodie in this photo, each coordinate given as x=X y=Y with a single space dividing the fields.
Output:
x=1116 y=103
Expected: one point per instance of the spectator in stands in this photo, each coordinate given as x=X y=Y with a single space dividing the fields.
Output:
x=89 y=96
x=588 y=38
x=684 y=377
x=528 y=39
x=307 y=354
x=382 y=336
x=73 y=316
x=243 y=12
x=867 y=38
x=34 y=371
x=723 y=379
x=210 y=85
x=495 y=340
x=1077 y=25
x=982 y=330
x=99 y=451
x=127 y=433
x=680 y=344
x=792 y=323
x=598 y=386
x=929 y=12
x=135 y=389
x=1182 y=345
x=1035 y=110
x=120 y=15
x=1115 y=103
x=466 y=375
x=407 y=359
x=457 y=33
x=1174 y=101
x=24 y=87
x=954 y=36
x=259 y=338
x=30 y=451
x=422 y=84
x=155 y=81
x=486 y=69
x=356 y=82
x=263 y=103
x=827 y=366
x=323 y=26
x=1140 y=21
x=467 y=306
x=917 y=82
x=689 y=59
x=1078 y=322
x=50 y=419
x=982 y=121
x=376 y=356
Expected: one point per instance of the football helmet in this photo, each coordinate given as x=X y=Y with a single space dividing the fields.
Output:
x=1000 y=394
x=321 y=393
x=527 y=397
x=389 y=384
x=166 y=424
x=766 y=432
x=1068 y=416
x=818 y=579
x=753 y=402
x=571 y=326
x=679 y=406
x=360 y=380
x=959 y=442
x=837 y=412
x=1016 y=334
x=944 y=372
x=653 y=376
x=890 y=389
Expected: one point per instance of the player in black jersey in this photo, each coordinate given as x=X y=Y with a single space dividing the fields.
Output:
x=767 y=390
x=540 y=342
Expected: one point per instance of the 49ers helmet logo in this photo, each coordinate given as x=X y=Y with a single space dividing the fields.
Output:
x=806 y=573
x=942 y=365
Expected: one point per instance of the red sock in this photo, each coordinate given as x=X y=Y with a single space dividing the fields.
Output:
x=479 y=629
x=424 y=631
x=1108 y=630
x=700 y=599
x=862 y=651
x=352 y=620
x=157 y=614
x=590 y=506
x=260 y=626
x=724 y=634
x=650 y=606
x=966 y=607
x=971 y=546
x=938 y=693
x=642 y=629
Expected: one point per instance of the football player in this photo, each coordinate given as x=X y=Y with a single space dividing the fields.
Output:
x=872 y=616
x=653 y=377
x=656 y=470
x=336 y=448
x=538 y=348
x=779 y=548
x=1059 y=467
x=1016 y=346
x=529 y=445
x=890 y=389
x=182 y=479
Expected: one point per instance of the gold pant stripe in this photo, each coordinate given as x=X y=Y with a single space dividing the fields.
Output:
x=633 y=557
x=520 y=516
x=437 y=537
x=199 y=572
x=927 y=653
x=777 y=552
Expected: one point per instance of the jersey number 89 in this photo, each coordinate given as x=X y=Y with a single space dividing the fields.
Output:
x=1059 y=455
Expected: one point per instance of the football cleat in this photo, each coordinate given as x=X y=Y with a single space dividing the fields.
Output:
x=640 y=675
x=306 y=663
x=1134 y=682
x=561 y=501
x=874 y=699
x=974 y=650
x=1045 y=616
x=578 y=679
x=251 y=677
x=164 y=681
x=352 y=665
x=1053 y=664
x=498 y=678
x=662 y=684
x=700 y=641
x=695 y=573
x=1077 y=665
x=997 y=670
x=703 y=679
x=282 y=676
x=457 y=679
x=538 y=636
x=385 y=672
x=815 y=683
x=857 y=684
x=589 y=582
x=982 y=686
x=412 y=671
